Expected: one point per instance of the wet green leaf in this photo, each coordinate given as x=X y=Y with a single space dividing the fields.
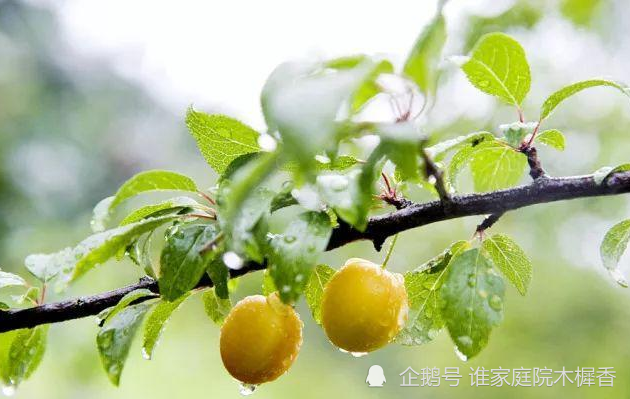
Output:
x=156 y=322
x=295 y=253
x=510 y=259
x=472 y=301
x=221 y=139
x=181 y=263
x=216 y=308
x=553 y=138
x=115 y=337
x=423 y=290
x=498 y=66
x=495 y=166
x=314 y=291
x=26 y=353
x=614 y=244
x=174 y=205
x=10 y=280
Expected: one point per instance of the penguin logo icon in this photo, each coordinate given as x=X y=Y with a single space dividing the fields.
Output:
x=375 y=377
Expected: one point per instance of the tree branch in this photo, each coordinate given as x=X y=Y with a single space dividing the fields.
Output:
x=378 y=229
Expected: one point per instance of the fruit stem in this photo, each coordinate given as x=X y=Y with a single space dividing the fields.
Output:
x=389 y=251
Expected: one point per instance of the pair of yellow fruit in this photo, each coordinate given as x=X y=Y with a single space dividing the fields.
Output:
x=363 y=308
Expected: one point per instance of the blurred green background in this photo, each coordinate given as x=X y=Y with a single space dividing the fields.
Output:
x=72 y=128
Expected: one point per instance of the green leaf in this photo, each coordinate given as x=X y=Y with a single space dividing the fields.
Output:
x=140 y=253
x=438 y=151
x=268 y=286
x=498 y=67
x=219 y=275
x=156 y=322
x=152 y=180
x=31 y=295
x=216 y=308
x=174 y=205
x=25 y=353
x=10 y=280
x=247 y=233
x=510 y=259
x=4 y=306
x=495 y=166
x=284 y=198
x=235 y=189
x=422 y=64
x=302 y=100
x=458 y=162
x=6 y=339
x=423 y=290
x=124 y=302
x=472 y=301
x=47 y=266
x=97 y=248
x=181 y=263
x=553 y=138
x=614 y=244
x=295 y=252
x=370 y=88
x=221 y=139
x=115 y=337
x=556 y=98
x=314 y=291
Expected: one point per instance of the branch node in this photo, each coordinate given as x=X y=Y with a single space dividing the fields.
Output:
x=536 y=170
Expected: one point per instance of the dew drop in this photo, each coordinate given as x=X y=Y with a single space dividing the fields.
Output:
x=483 y=293
x=267 y=143
x=495 y=302
x=465 y=340
x=619 y=277
x=299 y=278
x=432 y=180
x=289 y=239
x=8 y=390
x=484 y=83
x=145 y=355
x=358 y=354
x=472 y=280
x=232 y=260
x=247 y=389
x=322 y=159
x=460 y=355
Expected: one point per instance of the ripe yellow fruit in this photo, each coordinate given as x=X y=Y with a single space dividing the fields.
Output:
x=364 y=306
x=260 y=339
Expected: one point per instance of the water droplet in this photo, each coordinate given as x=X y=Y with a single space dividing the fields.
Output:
x=289 y=239
x=145 y=355
x=483 y=293
x=495 y=302
x=299 y=278
x=465 y=340
x=460 y=355
x=247 y=389
x=432 y=334
x=432 y=180
x=286 y=288
x=8 y=390
x=619 y=277
x=232 y=260
x=342 y=350
x=472 y=280
x=267 y=143
x=358 y=354
x=322 y=159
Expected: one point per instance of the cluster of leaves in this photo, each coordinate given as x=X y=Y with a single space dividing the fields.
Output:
x=313 y=111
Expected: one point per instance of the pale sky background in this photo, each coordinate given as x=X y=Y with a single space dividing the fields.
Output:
x=219 y=53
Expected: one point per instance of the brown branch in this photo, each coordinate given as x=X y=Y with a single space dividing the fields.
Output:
x=378 y=229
